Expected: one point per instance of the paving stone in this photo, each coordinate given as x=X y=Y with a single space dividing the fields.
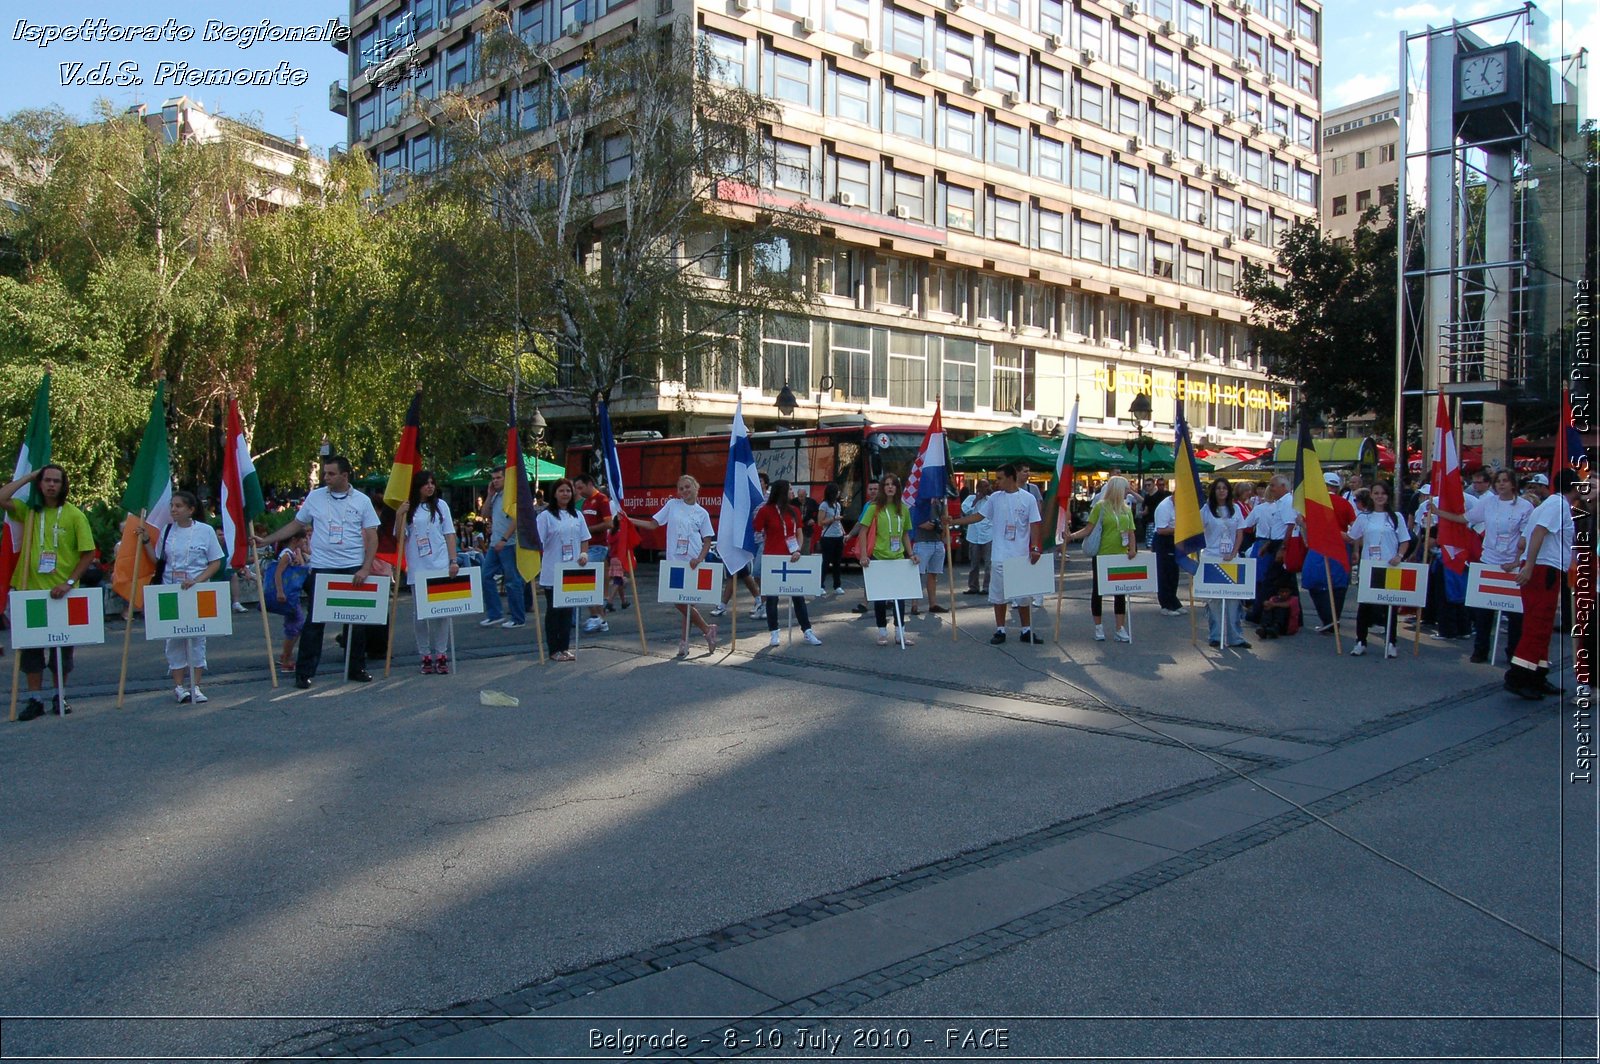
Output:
x=1089 y=861
x=821 y=955
x=477 y=1044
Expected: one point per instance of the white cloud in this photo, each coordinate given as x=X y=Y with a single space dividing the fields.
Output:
x=1417 y=13
x=1360 y=87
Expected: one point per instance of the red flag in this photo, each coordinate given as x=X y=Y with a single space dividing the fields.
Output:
x=1458 y=544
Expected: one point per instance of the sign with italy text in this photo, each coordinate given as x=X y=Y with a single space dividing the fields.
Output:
x=1490 y=587
x=37 y=620
x=580 y=585
x=1119 y=574
x=1393 y=585
x=443 y=595
x=340 y=600
x=780 y=576
x=678 y=583
x=170 y=612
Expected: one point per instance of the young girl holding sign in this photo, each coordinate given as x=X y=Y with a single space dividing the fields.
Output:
x=1382 y=536
x=189 y=553
x=1117 y=537
x=430 y=550
x=689 y=538
x=564 y=535
x=780 y=523
x=887 y=538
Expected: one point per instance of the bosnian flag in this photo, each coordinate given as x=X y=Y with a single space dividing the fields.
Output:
x=1458 y=544
x=741 y=497
x=35 y=453
x=241 y=491
x=929 y=479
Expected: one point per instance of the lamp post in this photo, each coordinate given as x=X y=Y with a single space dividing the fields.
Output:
x=786 y=402
x=1140 y=409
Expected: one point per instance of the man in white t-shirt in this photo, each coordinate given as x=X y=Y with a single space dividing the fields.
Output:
x=1551 y=535
x=1165 y=523
x=1014 y=514
x=344 y=540
x=1271 y=520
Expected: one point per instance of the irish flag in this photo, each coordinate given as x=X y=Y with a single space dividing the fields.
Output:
x=201 y=606
x=149 y=489
x=241 y=491
x=35 y=453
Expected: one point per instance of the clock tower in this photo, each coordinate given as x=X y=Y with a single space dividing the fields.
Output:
x=1499 y=89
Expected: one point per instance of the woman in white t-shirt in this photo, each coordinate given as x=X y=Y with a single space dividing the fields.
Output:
x=430 y=551
x=1382 y=535
x=689 y=538
x=830 y=515
x=564 y=538
x=1503 y=517
x=190 y=553
x=1223 y=524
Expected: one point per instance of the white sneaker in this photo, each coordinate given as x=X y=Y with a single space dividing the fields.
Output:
x=238 y=607
x=605 y=626
x=757 y=612
x=1123 y=636
x=838 y=592
x=489 y=622
x=1358 y=650
x=181 y=694
x=774 y=639
x=198 y=695
x=1173 y=613
x=511 y=624
x=1391 y=651
x=1100 y=633
x=718 y=610
x=811 y=638
x=592 y=624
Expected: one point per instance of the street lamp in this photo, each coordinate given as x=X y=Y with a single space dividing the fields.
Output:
x=1140 y=409
x=786 y=402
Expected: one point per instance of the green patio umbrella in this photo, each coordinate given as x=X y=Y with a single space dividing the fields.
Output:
x=475 y=470
x=1008 y=445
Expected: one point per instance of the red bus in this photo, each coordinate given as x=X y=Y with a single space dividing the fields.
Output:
x=847 y=451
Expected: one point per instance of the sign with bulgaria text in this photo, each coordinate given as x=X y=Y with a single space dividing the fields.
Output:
x=37 y=620
x=443 y=595
x=170 y=612
x=1119 y=574
x=340 y=600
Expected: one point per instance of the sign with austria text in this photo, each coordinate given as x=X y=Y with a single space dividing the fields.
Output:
x=1393 y=585
x=442 y=595
x=340 y=600
x=170 y=612
x=679 y=584
x=1121 y=575
x=780 y=576
x=1490 y=587
x=38 y=620
x=1217 y=579
x=579 y=585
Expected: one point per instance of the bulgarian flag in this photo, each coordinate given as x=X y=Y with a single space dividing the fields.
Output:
x=149 y=491
x=407 y=457
x=35 y=453
x=241 y=491
x=1057 y=517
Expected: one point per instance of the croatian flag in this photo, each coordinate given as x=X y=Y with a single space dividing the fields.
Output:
x=741 y=497
x=929 y=479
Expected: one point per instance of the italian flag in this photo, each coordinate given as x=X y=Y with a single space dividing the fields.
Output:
x=35 y=453
x=241 y=491
x=149 y=491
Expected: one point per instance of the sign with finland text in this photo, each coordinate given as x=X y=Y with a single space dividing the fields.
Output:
x=890 y=580
x=170 y=612
x=579 y=585
x=37 y=620
x=1119 y=574
x=1217 y=579
x=701 y=585
x=1024 y=579
x=442 y=595
x=340 y=600
x=780 y=576
x=1393 y=585
x=1490 y=587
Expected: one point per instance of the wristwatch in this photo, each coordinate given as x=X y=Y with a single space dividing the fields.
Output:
x=71 y=582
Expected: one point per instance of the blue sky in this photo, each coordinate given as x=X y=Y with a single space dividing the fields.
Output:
x=1360 y=55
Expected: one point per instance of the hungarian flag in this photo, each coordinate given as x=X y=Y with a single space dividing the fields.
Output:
x=1057 y=518
x=1188 y=533
x=519 y=499
x=149 y=491
x=35 y=453
x=241 y=490
x=1458 y=544
x=407 y=457
x=1311 y=501
x=928 y=483
x=627 y=538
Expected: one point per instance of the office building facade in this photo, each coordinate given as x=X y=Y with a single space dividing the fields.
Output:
x=1360 y=163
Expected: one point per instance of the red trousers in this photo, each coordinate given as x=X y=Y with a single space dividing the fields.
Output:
x=1541 y=595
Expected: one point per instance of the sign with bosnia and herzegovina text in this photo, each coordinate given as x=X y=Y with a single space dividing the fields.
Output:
x=1218 y=579
x=442 y=595
x=1393 y=585
x=780 y=576
x=1119 y=574
x=338 y=599
x=170 y=612
x=580 y=585
x=1490 y=587
x=38 y=620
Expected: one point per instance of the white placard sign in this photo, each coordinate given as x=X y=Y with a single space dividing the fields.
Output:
x=1490 y=587
x=339 y=600
x=442 y=595
x=1020 y=578
x=75 y=619
x=1393 y=585
x=1118 y=574
x=888 y=580
x=1217 y=579
x=780 y=576
x=677 y=583
x=580 y=585
x=170 y=612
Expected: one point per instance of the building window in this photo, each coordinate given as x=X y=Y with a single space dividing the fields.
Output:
x=366 y=116
x=1386 y=196
x=1091 y=33
x=908 y=369
x=1225 y=34
x=894 y=282
x=1052 y=17
x=1305 y=186
x=1255 y=165
x=1194 y=269
x=1163 y=129
x=1162 y=262
x=960 y=130
x=1091 y=103
x=909 y=192
x=618 y=161
x=1005 y=70
x=709 y=252
x=1128 y=184
x=785 y=353
x=1226 y=273
x=850 y=18
x=1091 y=240
x=458 y=65
x=956 y=53
x=1363 y=159
x=960 y=210
x=907 y=115
x=791 y=166
x=1013 y=379
x=906 y=34
x=1130 y=116
x=994 y=298
x=852 y=97
x=1005 y=219
x=853 y=178
x=1194 y=142
x=960 y=375
x=1386 y=153
x=1163 y=195
x=1050 y=159
x=1224 y=215
x=1091 y=172
x=1194 y=20
x=836 y=271
x=777 y=262
x=852 y=361
x=790 y=78
x=1005 y=145
x=1052 y=86
x=1051 y=227
x=1163 y=66
x=1128 y=250
x=947 y=290
x=1194 y=205
x=1363 y=200
x=533 y=23
x=1128 y=51
x=1038 y=306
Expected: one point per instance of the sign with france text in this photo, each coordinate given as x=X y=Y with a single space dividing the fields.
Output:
x=1490 y=587
x=1121 y=575
x=170 y=612
x=580 y=585
x=780 y=576
x=339 y=600
x=1393 y=585
x=1217 y=579
x=37 y=620
x=1024 y=579
x=890 y=580
x=678 y=583
x=443 y=595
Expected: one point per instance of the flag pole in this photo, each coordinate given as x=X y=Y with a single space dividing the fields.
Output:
x=61 y=685
x=1333 y=610
x=394 y=590
x=638 y=611
x=1416 y=631
x=950 y=573
x=538 y=619
x=127 y=631
x=16 y=659
x=733 y=611
x=1194 y=624
x=1061 y=580
x=1494 y=647
x=266 y=626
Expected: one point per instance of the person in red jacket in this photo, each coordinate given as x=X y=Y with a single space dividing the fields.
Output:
x=781 y=526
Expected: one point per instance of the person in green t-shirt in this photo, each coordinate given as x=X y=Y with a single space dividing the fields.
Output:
x=1116 y=538
x=887 y=538
x=55 y=550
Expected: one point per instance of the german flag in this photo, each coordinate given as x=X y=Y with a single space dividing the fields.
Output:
x=407 y=456
x=577 y=580
x=1384 y=578
x=447 y=588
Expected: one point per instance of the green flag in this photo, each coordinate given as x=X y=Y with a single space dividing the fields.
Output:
x=150 y=484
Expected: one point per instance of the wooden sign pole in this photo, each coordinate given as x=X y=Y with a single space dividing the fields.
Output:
x=133 y=595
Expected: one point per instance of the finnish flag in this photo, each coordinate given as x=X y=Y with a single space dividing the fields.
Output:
x=741 y=497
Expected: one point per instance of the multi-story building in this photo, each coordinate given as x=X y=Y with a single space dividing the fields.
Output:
x=1360 y=162
x=1022 y=203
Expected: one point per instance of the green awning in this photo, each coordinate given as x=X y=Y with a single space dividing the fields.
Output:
x=1342 y=453
x=1009 y=445
x=475 y=470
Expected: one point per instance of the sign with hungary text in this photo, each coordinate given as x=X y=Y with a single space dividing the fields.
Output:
x=38 y=620
x=170 y=612
x=340 y=600
x=1119 y=574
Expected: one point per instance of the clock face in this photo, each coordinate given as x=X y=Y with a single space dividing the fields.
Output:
x=1483 y=75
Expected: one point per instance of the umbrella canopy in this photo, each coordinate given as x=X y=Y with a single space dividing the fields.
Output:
x=475 y=470
x=1008 y=445
x=1159 y=458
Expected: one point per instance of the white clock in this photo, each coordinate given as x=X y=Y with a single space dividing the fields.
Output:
x=1482 y=75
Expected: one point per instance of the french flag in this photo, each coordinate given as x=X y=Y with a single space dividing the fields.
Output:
x=929 y=479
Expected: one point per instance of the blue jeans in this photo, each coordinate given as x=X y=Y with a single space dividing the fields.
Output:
x=1214 y=615
x=504 y=562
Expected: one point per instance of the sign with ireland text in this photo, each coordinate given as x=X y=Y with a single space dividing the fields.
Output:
x=170 y=612
x=38 y=620
x=340 y=600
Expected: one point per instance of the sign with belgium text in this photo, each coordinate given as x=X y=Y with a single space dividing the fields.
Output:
x=579 y=585
x=170 y=612
x=1490 y=587
x=38 y=620
x=1119 y=574
x=1393 y=585
x=701 y=585
x=1218 y=579
x=340 y=600
x=780 y=576
x=442 y=595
